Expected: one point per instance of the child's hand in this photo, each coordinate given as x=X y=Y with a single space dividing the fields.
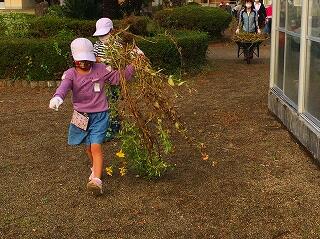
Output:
x=55 y=102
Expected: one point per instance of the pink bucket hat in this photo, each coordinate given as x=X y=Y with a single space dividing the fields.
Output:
x=103 y=27
x=82 y=50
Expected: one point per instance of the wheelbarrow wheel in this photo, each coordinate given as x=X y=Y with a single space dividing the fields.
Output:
x=246 y=56
x=249 y=55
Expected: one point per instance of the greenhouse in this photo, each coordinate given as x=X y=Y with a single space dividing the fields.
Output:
x=295 y=73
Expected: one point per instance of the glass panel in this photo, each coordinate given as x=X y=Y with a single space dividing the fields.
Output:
x=314 y=18
x=282 y=13
x=280 y=60
x=312 y=99
x=294 y=15
x=291 y=82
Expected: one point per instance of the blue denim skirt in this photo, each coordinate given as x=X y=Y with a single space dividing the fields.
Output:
x=95 y=133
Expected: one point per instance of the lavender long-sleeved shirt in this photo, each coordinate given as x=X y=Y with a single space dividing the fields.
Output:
x=86 y=96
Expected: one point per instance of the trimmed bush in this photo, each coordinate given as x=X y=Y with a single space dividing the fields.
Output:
x=21 y=25
x=83 y=9
x=45 y=55
x=43 y=27
x=138 y=25
x=34 y=59
x=129 y=7
x=56 y=11
x=163 y=53
x=15 y=24
x=46 y=59
x=49 y=26
x=207 y=19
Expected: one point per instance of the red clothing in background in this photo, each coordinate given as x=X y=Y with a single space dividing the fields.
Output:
x=269 y=11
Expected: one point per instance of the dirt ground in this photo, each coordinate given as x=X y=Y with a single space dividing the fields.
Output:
x=258 y=182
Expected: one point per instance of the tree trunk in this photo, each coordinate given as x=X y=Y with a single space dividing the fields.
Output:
x=111 y=9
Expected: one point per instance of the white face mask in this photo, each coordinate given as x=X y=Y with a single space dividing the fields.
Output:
x=104 y=38
x=248 y=5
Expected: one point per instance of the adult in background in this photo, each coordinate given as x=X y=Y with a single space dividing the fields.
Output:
x=248 y=19
x=248 y=22
x=261 y=10
x=267 y=28
x=237 y=9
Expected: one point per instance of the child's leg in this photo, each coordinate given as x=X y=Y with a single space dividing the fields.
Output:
x=97 y=160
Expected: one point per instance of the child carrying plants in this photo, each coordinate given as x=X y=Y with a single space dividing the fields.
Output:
x=104 y=29
x=90 y=118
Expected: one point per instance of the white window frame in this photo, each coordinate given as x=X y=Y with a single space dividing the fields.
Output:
x=304 y=64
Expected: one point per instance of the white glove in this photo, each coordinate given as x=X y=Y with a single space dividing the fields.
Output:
x=237 y=31
x=55 y=102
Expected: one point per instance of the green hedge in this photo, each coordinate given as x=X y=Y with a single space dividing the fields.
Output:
x=46 y=59
x=207 y=19
x=138 y=25
x=48 y=26
x=31 y=59
x=43 y=27
x=163 y=53
x=15 y=24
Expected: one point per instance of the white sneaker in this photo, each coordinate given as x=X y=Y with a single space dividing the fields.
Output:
x=95 y=186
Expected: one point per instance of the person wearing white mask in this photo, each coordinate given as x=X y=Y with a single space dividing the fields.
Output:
x=248 y=19
x=261 y=10
x=87 y=80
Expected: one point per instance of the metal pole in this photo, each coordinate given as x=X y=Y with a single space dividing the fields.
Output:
x=303 y=57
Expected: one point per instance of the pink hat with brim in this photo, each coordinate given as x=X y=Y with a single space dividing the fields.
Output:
x=103 y=27
x=82 y=50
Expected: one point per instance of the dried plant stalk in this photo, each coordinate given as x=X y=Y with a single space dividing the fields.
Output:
x=147 y=103
x=249 y=37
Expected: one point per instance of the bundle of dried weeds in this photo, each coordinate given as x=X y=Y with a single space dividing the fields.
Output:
x=249 y=37
x=147 y=104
